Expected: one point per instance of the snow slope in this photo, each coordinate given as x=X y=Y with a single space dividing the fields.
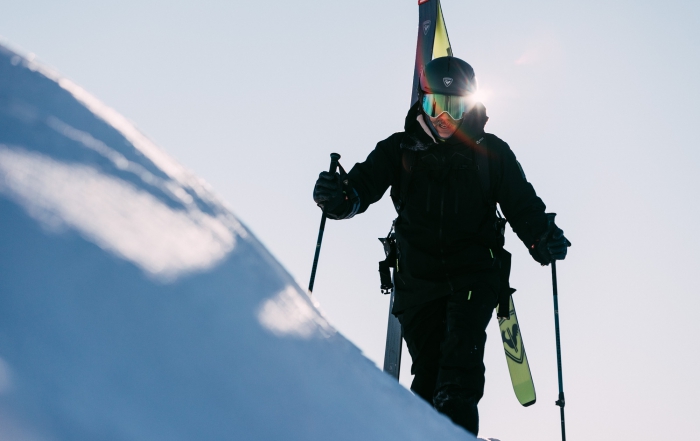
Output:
x=135 y=306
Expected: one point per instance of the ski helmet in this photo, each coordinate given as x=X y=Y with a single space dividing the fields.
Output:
x=448 y=76
x=446 y=85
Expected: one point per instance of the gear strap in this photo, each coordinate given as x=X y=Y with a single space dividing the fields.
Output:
x=391 y=261
x=505 y=291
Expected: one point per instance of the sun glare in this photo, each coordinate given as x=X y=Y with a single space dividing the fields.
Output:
x=482 y=95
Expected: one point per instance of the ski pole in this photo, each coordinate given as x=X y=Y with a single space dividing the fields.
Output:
x=560 y=402
x=334 y=165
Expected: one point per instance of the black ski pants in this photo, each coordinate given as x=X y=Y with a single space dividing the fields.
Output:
x=446 y=339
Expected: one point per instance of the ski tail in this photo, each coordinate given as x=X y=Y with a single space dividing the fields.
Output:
x=518 y=366
x=394 y=339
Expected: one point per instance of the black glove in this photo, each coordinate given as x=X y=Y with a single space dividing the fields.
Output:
x=328 y=193
x=551 y=246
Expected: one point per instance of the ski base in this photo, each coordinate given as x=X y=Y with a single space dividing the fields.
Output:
x=392 y=351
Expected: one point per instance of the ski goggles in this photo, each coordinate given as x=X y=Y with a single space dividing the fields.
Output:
x=435 y=104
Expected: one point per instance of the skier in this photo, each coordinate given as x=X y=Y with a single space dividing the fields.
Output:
x=451 y=269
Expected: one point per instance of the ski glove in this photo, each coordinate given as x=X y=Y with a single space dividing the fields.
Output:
x=336 y=197
x=552 y=245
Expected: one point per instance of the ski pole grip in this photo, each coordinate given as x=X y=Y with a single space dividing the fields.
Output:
x=334 y=162
x=550 y=218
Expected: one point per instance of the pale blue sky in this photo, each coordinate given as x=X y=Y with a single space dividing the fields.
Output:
x=598 y=100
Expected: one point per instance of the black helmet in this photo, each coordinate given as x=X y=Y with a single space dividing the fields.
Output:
x=448 y=76
x=447 y=85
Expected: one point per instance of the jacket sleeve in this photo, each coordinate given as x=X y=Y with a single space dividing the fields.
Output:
x=371 y=178
x=522 y=207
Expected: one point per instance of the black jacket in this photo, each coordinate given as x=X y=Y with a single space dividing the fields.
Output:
x=445 y=230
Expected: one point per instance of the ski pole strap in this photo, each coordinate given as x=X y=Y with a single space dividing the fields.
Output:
x=351 y=204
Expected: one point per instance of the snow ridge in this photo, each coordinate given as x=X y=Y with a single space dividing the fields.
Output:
x=136 y=306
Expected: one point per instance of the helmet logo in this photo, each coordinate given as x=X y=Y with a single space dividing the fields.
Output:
x=447 y=81
x=426 y=26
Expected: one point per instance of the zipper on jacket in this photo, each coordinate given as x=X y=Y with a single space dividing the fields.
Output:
x=442 y=209
x=442 y=221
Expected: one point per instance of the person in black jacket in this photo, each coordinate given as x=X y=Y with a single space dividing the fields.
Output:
x=446 y=177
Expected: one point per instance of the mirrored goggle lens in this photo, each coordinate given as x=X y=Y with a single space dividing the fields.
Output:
x=435 y=104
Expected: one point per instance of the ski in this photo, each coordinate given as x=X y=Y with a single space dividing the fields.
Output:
x=433 y=42
x=518 y=365
x=394 y=339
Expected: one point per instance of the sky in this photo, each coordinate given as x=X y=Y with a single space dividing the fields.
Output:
x=597 y=100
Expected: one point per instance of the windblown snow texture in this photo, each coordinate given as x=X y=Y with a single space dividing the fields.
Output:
x=135 y=306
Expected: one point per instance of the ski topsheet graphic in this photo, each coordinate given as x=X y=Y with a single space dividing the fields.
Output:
x=433 y=42
x=518 y=366
x=441 y=41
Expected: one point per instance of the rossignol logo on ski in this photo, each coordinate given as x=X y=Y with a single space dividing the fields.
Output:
x=426 y=26
x=510 y=334
x=513 y=344
x=448 y=81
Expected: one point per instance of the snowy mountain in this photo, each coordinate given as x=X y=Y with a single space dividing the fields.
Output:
x=135 y=306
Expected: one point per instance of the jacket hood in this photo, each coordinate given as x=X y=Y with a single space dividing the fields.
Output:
x=416 y=137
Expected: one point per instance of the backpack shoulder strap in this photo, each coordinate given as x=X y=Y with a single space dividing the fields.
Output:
x=482 y=163
x=399 y=195
x=504 y=257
